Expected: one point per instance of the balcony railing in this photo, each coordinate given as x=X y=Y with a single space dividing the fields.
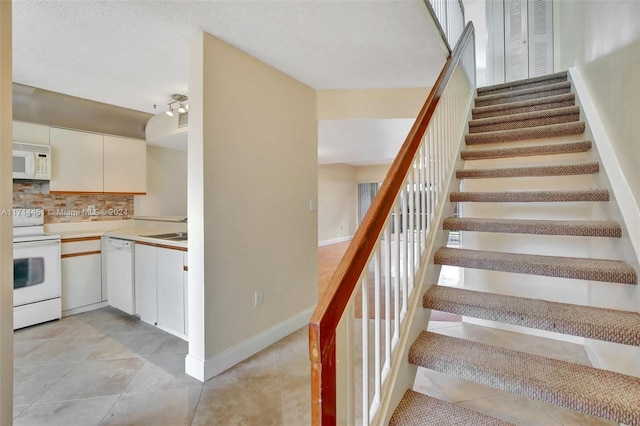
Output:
x=450 y=16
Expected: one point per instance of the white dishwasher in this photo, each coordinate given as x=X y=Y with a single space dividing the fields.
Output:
x=118 y=272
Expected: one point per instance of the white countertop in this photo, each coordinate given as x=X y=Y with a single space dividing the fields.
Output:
x=139 y=233
x=133 y=230
x=160 y=218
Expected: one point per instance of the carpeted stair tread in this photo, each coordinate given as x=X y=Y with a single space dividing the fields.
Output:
x=530 y=196
x=613 y=271
x=522 y=84
x=526 y=151
x=528 y=105
x=538 y=132
x=557 y=170
x=592 y=391
x=527 y=119
x=575 y=228
x=417 y=409
x=584 y=321
x=524 y=94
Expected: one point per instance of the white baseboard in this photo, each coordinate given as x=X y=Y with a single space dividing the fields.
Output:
x=203 y=370
x=334 y=241
x=86 y=308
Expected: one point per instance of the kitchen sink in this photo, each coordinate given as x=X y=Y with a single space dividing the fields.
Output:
x=173 y=236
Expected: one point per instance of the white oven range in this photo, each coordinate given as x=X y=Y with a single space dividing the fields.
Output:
x=36 y=270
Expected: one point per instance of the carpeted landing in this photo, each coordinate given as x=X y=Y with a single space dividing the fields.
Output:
x=530 y=118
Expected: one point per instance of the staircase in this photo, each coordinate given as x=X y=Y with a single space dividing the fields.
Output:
x=533 y=157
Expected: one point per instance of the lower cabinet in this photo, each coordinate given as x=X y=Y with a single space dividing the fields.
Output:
x=170 y=290
x=81 y=272
x=145 y=282
x=160 y=287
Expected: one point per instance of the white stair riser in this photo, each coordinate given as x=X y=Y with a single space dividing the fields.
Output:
x=523 y=330
x=565 y=290
x=527 y=142
x=544 y=245
x=529 y=183
x=580 y=210
x=534 y=160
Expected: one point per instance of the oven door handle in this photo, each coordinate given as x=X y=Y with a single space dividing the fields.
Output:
x=25 y=244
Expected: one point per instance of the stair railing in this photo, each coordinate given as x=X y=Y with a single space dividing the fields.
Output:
x=358 y=334
x=450 y=18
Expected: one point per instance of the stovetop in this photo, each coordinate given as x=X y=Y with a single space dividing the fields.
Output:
x=28 y=225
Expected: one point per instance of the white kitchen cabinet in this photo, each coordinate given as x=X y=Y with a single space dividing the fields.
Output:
x=30 y=133
x=76 y=161
x=160 y=286
x=81 y=273
x=170 y=290
x=125 y=165
x=84 y=162
x=146 y=282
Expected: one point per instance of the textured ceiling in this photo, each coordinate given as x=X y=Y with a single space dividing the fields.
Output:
x=134 y=54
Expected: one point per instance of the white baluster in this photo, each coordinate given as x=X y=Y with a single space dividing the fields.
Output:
x=365 y=348
x=398 y=267
x=377 y=342
x=387 y=295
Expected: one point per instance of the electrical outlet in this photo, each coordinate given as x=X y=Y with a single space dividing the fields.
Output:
x=258 y=297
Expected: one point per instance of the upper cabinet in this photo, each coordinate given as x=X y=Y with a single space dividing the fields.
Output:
x=76 y=161
x=125 y=165
x=30 y=133
x=84 y=162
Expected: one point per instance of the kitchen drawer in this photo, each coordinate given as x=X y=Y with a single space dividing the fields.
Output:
x=80 y=245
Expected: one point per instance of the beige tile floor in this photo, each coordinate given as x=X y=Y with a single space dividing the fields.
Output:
x=107 y=368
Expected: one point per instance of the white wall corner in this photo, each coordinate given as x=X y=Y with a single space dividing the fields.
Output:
x=204 y=370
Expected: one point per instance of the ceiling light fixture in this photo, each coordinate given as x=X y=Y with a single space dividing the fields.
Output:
x=183 y=106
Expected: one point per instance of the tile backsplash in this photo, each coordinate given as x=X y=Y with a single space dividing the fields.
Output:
x=64 y=208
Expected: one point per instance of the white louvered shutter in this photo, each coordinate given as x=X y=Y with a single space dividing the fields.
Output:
x=515 y=40
x=540 y=37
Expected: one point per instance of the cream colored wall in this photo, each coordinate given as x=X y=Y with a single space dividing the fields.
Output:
x=371 y=103
x=602 y=39
x=166 y=184
x=369 y=174
x=252 y=176
x=337 y=201
x=6 y=232
x=338 y=197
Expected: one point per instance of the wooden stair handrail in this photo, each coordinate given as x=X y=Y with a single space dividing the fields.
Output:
x=333 y=301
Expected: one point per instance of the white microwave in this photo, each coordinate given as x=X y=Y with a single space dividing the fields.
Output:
x=31 y=162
